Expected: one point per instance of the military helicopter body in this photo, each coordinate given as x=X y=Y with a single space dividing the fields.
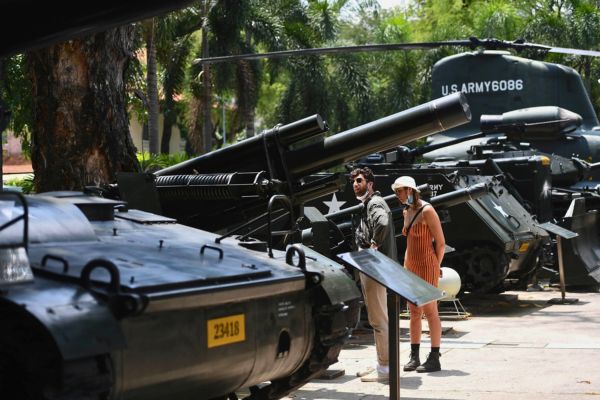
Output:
x=496 y=82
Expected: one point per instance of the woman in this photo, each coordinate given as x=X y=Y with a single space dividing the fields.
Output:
x=425 y=245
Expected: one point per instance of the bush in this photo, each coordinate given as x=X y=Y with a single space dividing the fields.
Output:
x=154 y=162
x=26 y=184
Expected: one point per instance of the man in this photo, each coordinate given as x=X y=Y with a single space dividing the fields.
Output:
x=375 y=230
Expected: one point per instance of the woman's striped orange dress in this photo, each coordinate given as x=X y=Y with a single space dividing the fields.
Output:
x=420 y=256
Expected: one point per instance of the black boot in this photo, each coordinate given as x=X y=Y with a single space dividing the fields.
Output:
x=414 y=361
x=432 y=363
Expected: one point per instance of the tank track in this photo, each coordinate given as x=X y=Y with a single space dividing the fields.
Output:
x=482 y=268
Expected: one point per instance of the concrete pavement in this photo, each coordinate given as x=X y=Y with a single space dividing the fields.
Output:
x=515 y=346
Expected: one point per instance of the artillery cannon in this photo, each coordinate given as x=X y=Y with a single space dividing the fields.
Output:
x=218 y=190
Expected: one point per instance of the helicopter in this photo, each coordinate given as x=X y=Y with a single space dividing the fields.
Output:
x=498 y=83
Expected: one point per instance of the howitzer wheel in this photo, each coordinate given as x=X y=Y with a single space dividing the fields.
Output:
x=486 y=269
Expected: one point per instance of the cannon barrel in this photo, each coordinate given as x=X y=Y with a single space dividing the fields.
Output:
x=459 y=196
x=417 y=151
x=342 y=219
x=441 y=201
x=288 y=158
x=249 y=155
x=406 y=155
x=403 y=127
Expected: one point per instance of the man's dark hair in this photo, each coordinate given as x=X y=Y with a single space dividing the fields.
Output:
x=365 y=171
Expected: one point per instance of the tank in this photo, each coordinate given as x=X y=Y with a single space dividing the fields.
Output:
x=101 y=301
x=532 y=108
x=502 y=246
x=552 y=187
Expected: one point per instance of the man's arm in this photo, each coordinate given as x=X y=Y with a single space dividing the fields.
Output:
x=380 y=223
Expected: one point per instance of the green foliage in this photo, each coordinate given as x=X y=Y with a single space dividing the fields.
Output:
x=16 y=92
x=26 y=184
x=496 y=19
x=153 y=162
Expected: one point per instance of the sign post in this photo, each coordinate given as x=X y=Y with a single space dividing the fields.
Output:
x=561 y=233
x=399 y=282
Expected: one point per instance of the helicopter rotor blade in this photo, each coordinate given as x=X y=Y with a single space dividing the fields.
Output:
x=473 y=43
x=333 y=50
x=578 y=52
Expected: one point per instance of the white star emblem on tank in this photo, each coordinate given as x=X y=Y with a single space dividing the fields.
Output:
x=334 y=205
x=500 y=210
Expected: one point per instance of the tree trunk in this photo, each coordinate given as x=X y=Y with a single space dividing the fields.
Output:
x=165 y=145
x=247 y=95
x=194 y=145
x=169 y=119
x=80 y=133
x=251 y=92
x=4 y=120
x=152 y=85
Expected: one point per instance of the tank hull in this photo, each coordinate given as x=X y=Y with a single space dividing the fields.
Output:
x=140 y=307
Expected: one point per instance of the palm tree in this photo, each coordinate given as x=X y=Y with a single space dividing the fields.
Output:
x=173 y=49
x=567 y=23
x=151 y=84
x=243 y=27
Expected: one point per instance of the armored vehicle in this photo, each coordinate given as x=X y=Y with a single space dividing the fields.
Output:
x=102 y=301
x=494 y=237
x=532 y=109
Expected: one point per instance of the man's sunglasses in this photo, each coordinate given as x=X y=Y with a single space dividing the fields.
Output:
x=357 y=180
